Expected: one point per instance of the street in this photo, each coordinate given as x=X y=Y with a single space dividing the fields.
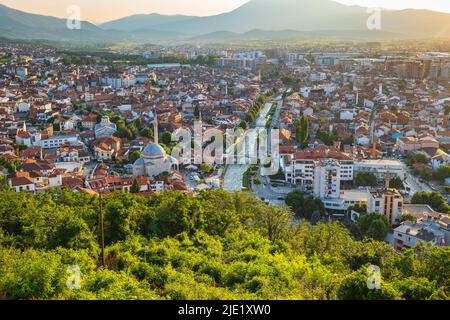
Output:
x=414 y=183
x=233 y=179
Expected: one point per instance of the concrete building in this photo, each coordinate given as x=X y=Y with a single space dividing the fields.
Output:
x=409 y=234
x=408 y=144
x=380 y=168
x=236 y=63
x=58 y=141
x=106 y=148
x=117 y=81
x=388 y=202
x=319 y=171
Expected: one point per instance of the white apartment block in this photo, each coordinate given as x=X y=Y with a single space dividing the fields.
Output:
x=236 y=63
x=294 y=56
x=319 y=171
x=118 y=81
x=58 y=141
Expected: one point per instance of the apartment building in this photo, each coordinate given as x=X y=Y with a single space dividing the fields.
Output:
x=388 y=202
x=380 y=168
x=236 y=63
x=319 y=171
x=58 y=141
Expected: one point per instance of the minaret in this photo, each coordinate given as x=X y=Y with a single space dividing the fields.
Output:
x=380 y=89
x=155 y=127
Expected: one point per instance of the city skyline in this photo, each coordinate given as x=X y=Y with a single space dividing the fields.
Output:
x=103 y=10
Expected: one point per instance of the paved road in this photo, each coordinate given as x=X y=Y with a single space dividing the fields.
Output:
x=266 y=191
x=262 y=119
x=276 y=117
x=233 y=179
x=414 y=183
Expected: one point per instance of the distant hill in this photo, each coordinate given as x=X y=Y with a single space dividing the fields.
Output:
x=257 y=19
x=16 y=24
x=22 y=25
x=142 y=22
x=312 y=16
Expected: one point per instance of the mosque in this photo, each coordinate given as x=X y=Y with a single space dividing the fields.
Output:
x=154 y=160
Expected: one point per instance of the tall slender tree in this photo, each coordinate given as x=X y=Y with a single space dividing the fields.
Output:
x=301 y=131
x=135 y=187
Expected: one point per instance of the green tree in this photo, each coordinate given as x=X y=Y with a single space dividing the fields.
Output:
x=135 y=187
x=373 y=225
x=298 y=131
x=166 y=138
x=327 y=137
x=31 y=274
x=414 y=288
x=434 y=199
x=360 y=208
x=414 y=158
x=442 y=173
x=355 y=287
x=132 y=158
x=274 y=222
x=206 y=168
x=217 y=245
x=366 y=179
x=304 y=206
x=397 y=183
x=408 y=217
x=304 y=128
x=243 y=125
x=147 y=133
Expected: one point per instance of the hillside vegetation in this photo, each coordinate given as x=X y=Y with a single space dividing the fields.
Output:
x=215 y=246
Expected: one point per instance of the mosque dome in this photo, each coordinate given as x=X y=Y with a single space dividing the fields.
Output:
x=153 y=151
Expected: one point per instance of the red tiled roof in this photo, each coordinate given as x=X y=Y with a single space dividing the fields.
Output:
x=322 y=152
x=20 y=181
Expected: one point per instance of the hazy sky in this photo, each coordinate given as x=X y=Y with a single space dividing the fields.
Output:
x=105 y=10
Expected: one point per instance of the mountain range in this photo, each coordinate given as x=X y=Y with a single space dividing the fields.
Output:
x=255 y=20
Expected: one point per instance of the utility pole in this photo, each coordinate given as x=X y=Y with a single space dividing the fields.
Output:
x=102 y=232
x=101 y=226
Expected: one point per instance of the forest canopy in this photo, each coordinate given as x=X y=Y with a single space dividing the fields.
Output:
x=217 y=245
